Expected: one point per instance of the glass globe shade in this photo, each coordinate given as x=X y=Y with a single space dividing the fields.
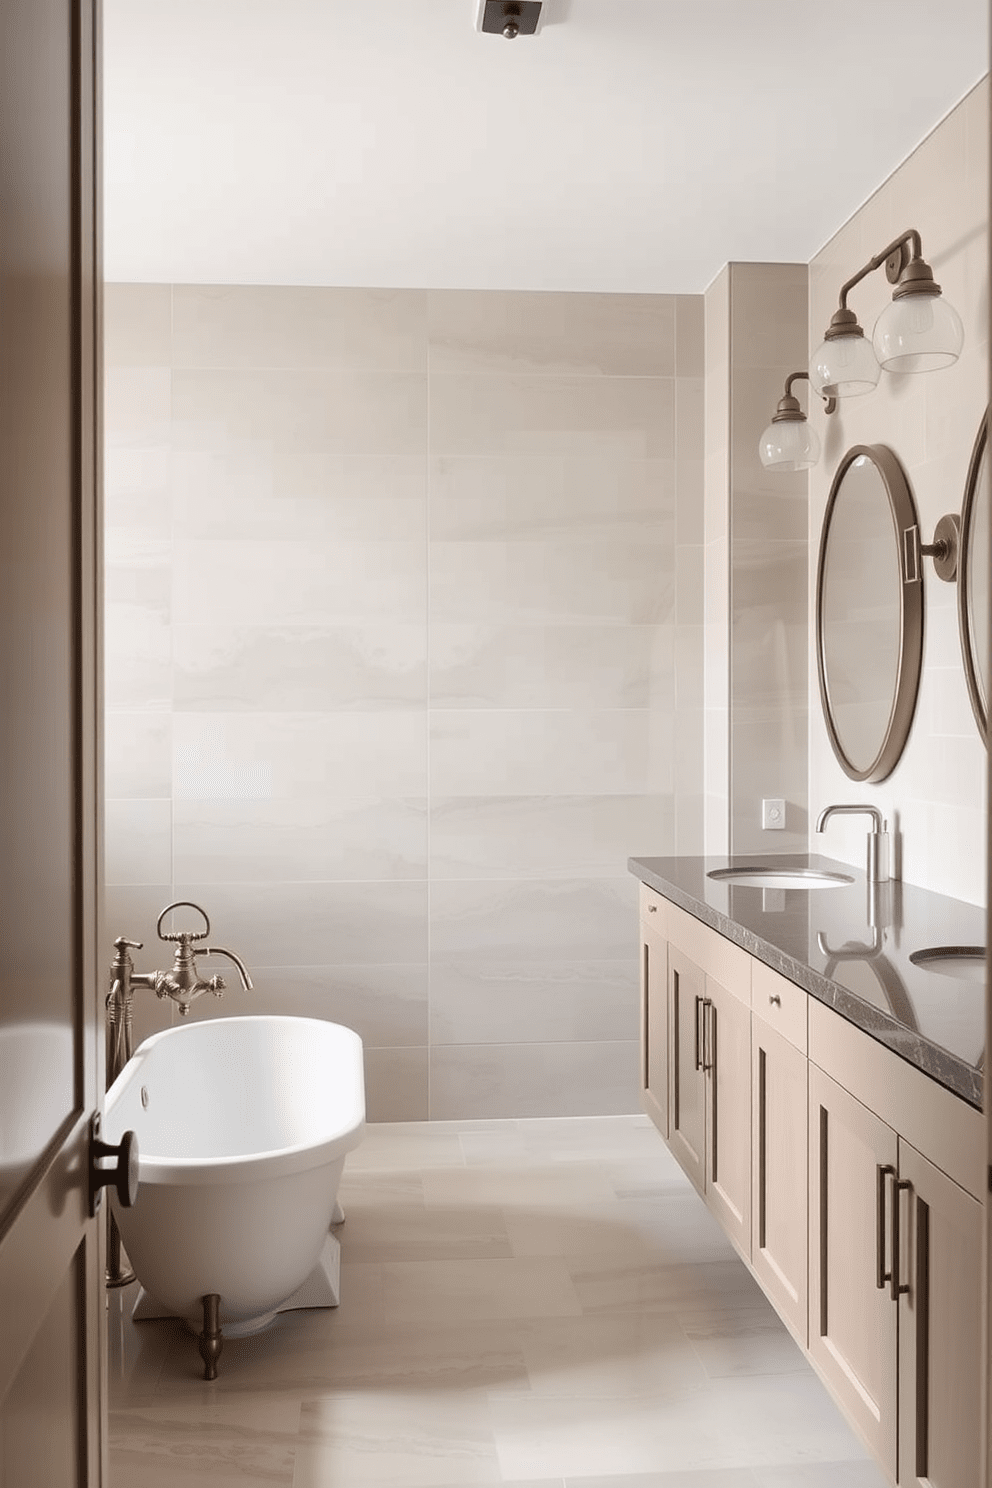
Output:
x=790 y=444
x=844 y=368
x=918 y=333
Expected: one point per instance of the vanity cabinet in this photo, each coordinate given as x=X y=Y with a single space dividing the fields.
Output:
x=709 y=1090
x=654 y=1012
x=895 y=1255
x=852 y=1320
x=779 y=1210
x=939 y=1328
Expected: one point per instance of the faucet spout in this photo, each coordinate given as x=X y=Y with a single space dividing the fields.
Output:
x=877 y=870
x=246 y=980
x=872 y=811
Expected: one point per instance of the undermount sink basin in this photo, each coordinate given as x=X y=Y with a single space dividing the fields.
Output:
x=964 y=963
x=781 y=878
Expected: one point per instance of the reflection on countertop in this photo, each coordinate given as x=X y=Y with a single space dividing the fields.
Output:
x=851 y=947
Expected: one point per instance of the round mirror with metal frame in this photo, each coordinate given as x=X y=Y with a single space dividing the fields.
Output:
x=973 y=579
x=869 y=612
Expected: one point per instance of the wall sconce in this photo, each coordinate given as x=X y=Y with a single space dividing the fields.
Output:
x=918 y=332
x=790 y=442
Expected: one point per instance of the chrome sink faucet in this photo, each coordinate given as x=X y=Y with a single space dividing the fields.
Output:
x=877 y=869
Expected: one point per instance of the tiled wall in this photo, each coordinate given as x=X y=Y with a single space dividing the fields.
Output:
x=756 y=564
x=935 y=799
x=404 y=631
x=768 y=563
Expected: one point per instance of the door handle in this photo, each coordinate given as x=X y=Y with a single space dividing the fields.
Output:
x=123 y=1175
x=896 y=1287
x=882 y=1171
x=699 y=1057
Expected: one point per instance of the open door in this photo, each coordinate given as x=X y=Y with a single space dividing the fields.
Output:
x=51 y=1294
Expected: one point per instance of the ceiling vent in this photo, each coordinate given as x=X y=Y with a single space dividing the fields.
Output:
x=509 y=18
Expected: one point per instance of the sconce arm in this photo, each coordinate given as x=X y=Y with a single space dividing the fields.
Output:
x=904 y=249
x=791 y=407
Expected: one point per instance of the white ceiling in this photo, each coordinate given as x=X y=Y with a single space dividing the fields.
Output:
x=634 y=145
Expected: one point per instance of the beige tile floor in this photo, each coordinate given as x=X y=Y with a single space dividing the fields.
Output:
x=541 y=1303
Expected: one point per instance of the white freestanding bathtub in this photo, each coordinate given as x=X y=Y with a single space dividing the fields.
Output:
x=243 y=1125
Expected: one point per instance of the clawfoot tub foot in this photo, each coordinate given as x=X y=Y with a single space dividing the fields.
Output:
x=211 y=1340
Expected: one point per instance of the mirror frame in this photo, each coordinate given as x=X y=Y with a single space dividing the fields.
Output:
x=979 y=703
x=906 y=535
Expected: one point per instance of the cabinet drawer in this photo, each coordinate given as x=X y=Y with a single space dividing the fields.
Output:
x=654 y=911
x=780 y=1003
x=718 y=957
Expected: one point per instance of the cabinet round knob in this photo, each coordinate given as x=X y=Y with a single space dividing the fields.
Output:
x=774 y=999
x=652 y=909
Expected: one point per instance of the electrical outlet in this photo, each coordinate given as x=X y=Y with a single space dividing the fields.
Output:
x=773 y=815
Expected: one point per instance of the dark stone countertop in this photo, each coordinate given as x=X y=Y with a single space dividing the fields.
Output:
x=823 y=940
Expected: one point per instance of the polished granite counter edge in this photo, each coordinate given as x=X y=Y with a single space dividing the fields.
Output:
x=946 y=1068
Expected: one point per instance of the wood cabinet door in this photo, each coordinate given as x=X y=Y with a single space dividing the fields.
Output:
x=687 y=1078
x=779 y=1211
x=939 y=1328
x=654 y=1027
x=727 y=1065
x=852 y=1318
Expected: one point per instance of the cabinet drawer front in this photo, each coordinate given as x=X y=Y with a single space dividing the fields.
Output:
x=718 y=957
x=654 y=911
x=780 y=1003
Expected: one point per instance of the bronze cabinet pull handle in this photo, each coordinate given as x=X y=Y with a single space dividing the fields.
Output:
x=896 y=1288
x=882 y=1171
x=699 y=1060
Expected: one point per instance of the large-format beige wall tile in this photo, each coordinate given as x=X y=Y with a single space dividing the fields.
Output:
x=690 y=336
x=344 y=838
x=316 y=924
x=137 y=325
x=264 y=668
x=341 y=413
x=137 y=623
x=768 y=302
x=290 y=326
x=627 y=583
x=257 y=488
x=594 y=334
x=768 y=749
x=396 y=1084
x=306 y=756
x=138 y=845
x=511 y=1002
x=295 y=582
x=536 y=920
x=137 y=754
x=385 y=1005
x=769 y=632
x=557 y=1079
x=552 y=666
x=503 y=752
x=513 y=415
x=571 y=497
x=501 y=836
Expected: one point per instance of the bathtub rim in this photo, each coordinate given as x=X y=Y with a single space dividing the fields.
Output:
x=246 y=1167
